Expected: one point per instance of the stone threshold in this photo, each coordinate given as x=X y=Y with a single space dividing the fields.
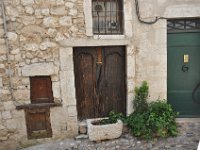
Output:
x=40 y=105
x=185 y=120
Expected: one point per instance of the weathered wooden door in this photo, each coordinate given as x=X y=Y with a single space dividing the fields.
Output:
x=99 y=80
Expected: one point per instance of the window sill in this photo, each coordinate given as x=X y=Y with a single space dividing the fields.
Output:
x=107 y=37
x=38 y=105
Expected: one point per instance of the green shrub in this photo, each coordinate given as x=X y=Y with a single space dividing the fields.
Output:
x=140 y=100
x=162 y=119
x=158 y=121
x=137 y=123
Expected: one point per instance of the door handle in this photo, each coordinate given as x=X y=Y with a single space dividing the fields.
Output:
x=185 y=68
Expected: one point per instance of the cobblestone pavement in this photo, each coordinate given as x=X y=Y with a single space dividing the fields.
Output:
x=188 y=139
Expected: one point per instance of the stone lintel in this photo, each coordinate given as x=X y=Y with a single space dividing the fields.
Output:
x=38 y=69
x=93 y=42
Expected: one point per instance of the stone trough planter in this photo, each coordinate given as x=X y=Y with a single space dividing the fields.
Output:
x=104 y=132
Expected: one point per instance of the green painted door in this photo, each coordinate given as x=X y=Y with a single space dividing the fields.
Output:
x=183 y=77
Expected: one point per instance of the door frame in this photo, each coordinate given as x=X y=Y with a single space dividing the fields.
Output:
x=177 y=32
x=125 y=68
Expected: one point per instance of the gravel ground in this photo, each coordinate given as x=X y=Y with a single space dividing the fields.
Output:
x=188 y=139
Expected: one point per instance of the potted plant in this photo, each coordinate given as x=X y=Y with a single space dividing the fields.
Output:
x=105 y=128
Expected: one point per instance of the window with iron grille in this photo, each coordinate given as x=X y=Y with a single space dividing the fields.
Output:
x=183 y=24
x=107 y=16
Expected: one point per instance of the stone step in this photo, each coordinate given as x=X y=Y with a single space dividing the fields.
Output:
x=81 y=136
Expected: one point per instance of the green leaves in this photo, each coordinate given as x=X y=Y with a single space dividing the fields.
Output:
x=158 y=121
x=140 y=100
x=149 y=120
x=113 y=117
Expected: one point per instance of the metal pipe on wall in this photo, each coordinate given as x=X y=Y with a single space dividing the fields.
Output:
x=9 y=72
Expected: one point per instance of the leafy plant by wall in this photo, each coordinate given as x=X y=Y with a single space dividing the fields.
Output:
x=156 y=119
x=140 y=100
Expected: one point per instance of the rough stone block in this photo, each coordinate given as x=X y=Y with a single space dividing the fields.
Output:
x=28 y=20
x=2 y=66
x=12 y=36
x=65 y=21
x=73 y=12
x=2 y=49
x=72 y=125
x=22 y=94
x=69 y=4
x=67 y=88
x=52 y=32
x=12 y=11
x=131 y=66
x=72 y=111
x=35 y=29
x=50 y=22
x=60 y=2
x=8 y=105
x=66 y=58
x=13 y=124
x=56 y=89
x=31 y=47
x=15 y=51
x=1 y=21
x=2 y=127
x=46 y=45
x=38 y=69
x=2 y=41
x=27 y=2
x=18 y=113
x=6 y=115
x=3 y=135
x=45 y=11
x=58 y=11
x=60 y=37
x=29 y=10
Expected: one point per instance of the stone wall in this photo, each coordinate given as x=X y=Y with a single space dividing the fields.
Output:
x=34 y=28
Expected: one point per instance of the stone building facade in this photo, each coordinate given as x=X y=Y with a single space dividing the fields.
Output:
x=41 y=36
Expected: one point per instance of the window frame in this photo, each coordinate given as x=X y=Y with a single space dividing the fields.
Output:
x=119 y=16
x=34 y=89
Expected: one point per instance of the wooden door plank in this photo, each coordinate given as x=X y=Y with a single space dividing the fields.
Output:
x=114 y=88
x=85 y=64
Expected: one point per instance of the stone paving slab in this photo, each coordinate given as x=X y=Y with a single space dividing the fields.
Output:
x=187 y=139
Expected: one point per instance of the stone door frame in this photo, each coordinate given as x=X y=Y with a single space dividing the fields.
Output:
x=67 y=76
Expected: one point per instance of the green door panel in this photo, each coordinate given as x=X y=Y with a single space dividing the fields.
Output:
x=183 y=39
x=181 y=83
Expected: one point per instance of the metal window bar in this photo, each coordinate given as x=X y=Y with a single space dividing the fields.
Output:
x=107 y=16
x=183 y=24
